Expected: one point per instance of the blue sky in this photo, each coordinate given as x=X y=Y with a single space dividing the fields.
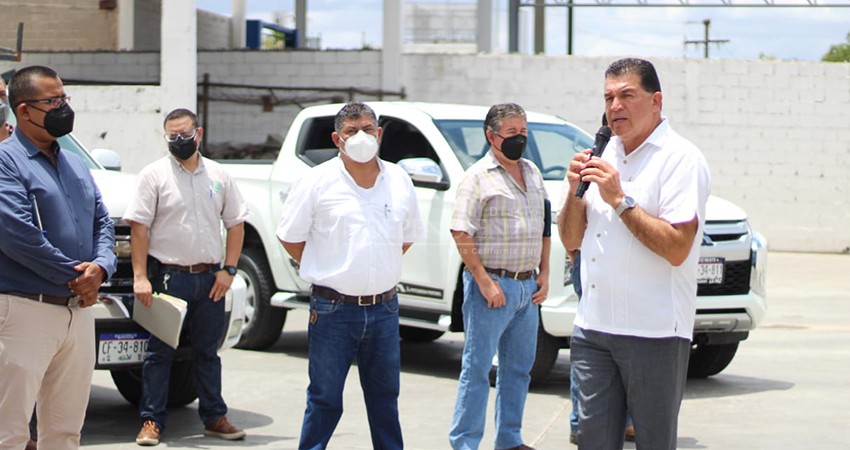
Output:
x=784 y=33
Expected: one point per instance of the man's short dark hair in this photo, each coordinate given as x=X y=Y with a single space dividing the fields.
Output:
x=635 y=66
x=353 y=110
x=24 y=84
x=180 y=113
x=497 y=113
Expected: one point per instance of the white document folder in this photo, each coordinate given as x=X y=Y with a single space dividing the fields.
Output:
x=164 y=318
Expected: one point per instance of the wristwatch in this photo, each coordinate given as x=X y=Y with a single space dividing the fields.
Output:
x=627 y=203
x=230 y=269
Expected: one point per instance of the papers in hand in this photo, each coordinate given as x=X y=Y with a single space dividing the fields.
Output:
x=164 y=318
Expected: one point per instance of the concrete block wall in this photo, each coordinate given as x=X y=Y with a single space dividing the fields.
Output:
x=248 y=123
x=59 y=25
x=775 y=134
x=147 y=15
x=125 y=119
x=213 y=31
x=134 y=67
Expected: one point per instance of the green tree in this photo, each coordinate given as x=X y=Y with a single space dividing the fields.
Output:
x=838 y=52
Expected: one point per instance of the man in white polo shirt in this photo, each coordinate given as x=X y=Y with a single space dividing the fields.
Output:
x=638 y=228
x=347 y=223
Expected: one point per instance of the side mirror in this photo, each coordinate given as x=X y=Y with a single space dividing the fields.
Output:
x=425 y=172
x=107 y=158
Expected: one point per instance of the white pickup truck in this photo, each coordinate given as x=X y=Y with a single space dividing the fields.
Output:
x=120 y=342
x=436 y=143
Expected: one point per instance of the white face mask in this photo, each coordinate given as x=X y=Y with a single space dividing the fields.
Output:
x=362 y=147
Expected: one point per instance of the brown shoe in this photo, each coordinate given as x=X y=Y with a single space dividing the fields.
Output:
x=630 y=433
x=32 y=444
x=222 y=429
x=149 y=434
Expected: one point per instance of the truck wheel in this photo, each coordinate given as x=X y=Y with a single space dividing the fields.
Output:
x=413 y=334
x=708 y=360
x=544 y=359
x=181 y=385
x=263 y=322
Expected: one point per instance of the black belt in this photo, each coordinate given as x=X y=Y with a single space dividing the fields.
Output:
x=360 y=300
x=508 y=274
x=73 y=300
x=194 y=268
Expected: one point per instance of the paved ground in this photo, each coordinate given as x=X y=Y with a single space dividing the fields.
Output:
x=788 y=387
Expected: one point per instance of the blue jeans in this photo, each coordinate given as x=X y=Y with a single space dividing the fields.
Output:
x=204 y=325
x=512 y=331
x=340 y=333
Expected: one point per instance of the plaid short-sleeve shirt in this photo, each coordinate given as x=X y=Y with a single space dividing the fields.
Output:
x=505 y=222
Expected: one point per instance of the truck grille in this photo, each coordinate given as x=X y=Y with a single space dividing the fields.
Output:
x=736 y=280
x=122 y=281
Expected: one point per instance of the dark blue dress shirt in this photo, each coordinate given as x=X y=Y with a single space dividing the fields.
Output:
x=75 y=225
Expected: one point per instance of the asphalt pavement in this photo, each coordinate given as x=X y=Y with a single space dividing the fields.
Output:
x=788 y=387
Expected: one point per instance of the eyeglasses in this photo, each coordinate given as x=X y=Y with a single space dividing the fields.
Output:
x=185 y=135
x=54 y=102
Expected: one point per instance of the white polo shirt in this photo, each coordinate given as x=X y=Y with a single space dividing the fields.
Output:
x=184 y=210
x=353 y=235
x=627 y=288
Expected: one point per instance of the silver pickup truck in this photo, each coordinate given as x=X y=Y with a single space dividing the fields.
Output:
x=436 y=143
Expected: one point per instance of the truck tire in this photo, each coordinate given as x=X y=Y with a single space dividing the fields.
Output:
x=708 y=360
x=263 y=322
x=181 y=385
x=413 y=334
x=545 y=357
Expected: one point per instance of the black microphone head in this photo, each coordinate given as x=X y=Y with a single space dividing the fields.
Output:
x=604 y=132
x=604 y=120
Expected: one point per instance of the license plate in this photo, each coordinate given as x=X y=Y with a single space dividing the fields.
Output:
x=122 y=348
x=710 y=270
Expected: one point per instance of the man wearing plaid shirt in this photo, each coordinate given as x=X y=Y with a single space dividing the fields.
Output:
x=498 y=226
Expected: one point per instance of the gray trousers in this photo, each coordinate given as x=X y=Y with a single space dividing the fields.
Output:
x=617 y=373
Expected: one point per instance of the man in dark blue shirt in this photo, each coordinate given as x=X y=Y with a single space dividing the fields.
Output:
x=56 y=248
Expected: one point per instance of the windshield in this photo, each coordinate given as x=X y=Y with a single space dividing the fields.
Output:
x=68 y=142
x=550 y=146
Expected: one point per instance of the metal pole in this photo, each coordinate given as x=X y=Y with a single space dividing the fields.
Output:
x=539 y=27
x=206 y=117
x=513 y=26
x=570 y=27
x=707 y=24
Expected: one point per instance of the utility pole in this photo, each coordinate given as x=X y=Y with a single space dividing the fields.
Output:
x=706 y=40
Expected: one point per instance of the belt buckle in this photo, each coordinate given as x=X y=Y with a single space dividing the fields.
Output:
x=368 y=302
x=73 y=300
x=192 y=269
x=516 y=276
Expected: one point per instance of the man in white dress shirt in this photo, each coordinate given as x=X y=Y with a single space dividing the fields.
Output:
x=639 y=228
x=348 y=222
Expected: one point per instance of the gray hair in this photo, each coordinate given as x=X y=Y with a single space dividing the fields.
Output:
x=353 y=110
x=500 y=112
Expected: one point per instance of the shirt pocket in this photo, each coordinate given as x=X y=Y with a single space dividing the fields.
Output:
x=86 y=195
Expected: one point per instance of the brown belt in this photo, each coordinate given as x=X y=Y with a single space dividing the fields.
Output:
x=194 y=268
x=508 y=274
x=49 y=299
x=360 y=300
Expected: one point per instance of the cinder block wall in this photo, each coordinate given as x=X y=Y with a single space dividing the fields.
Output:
x=59 y=25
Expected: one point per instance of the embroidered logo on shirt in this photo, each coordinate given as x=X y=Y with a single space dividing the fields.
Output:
x=216 y=187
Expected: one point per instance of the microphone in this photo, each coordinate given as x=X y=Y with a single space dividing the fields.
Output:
x=602 y=138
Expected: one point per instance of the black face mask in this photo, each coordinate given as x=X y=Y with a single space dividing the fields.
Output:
x=57 y=121
x=182 y=149
x=514 y=146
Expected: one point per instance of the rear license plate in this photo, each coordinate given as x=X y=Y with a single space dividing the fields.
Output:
x=710 y=270
x=122 y=348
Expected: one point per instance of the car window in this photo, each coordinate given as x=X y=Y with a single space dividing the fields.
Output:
x=315 y=144
x=401 y=140
x=550 y=146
